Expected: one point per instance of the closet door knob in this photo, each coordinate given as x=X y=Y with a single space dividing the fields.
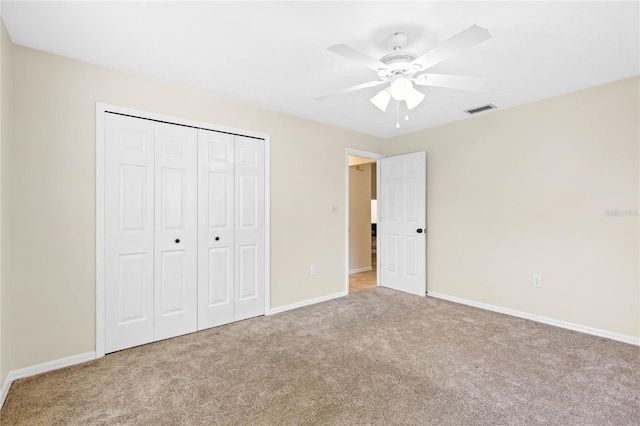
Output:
x=177 y=240
x=419 y=230
x=217 y=238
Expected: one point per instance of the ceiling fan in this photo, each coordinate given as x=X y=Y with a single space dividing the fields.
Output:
x=401 y=69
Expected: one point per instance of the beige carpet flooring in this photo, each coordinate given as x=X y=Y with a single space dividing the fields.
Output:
x=376 y=357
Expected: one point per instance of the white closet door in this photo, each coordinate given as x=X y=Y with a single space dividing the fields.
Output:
x=249 y=229
x=129 y=198
x=175 y=295
x=216 y=228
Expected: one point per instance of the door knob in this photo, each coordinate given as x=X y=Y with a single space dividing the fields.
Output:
x=177 y=240
x=217 y=238
x=419 y=230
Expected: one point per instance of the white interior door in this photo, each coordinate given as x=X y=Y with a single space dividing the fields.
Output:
x=249 y=227
x=216 y=228
x=175 y=295
x=129 y=231
x=402 y=223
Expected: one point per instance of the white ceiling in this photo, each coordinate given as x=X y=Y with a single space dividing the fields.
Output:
x=273 y=54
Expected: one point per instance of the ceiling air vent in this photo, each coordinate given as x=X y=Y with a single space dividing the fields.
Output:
x=480 y=109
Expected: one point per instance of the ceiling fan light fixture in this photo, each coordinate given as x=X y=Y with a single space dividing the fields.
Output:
x=400 y=70
x=381 y=100
x=401 y=89
x=414 y=98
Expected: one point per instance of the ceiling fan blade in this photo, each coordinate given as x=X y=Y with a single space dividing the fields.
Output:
x=350 y=89
x=355 y=55
x=468 y=38
x=450 y=81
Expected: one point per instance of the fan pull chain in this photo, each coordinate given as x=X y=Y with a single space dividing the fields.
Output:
x=406 y=111
x=397 y=114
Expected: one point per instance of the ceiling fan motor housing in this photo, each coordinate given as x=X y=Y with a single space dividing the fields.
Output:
x=399 y=61
x=397 y=41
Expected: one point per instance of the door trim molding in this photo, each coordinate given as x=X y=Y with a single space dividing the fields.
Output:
x=373 y=156
x=101 y=109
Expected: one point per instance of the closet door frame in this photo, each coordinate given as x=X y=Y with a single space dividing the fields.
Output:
x=101 y=110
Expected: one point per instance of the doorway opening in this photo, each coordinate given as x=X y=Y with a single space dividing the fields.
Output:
x=362 y=189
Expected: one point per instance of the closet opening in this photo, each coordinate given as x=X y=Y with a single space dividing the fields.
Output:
x=182 y=226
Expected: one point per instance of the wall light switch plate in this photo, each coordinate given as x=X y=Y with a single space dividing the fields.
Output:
x=334 y=208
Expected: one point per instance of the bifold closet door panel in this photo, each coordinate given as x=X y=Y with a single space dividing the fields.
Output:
x=216 y=228
x=129 y=231
x=250 y=226
x=176 y=216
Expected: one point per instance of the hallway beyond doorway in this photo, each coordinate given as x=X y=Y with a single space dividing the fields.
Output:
x=364 y=280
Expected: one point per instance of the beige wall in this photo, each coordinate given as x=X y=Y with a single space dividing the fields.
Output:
x=359 y=217
x=526 y=190
x=49 y=215
x=510 y=193
x=5 y=131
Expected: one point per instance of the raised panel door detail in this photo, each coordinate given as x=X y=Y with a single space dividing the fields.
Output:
x=173 y=202
x=219 y=198
x=248 y=202
x=392 y=253
x=219 y=276
x=410 y=255
x=248 y=156
x=392 y=204
x=173 y=147
x=411 y=202
x=172 y=282
x=131 y=287
x=133 y=141
x=248 y=263
x=133 y=196
x=410 y=169
x=219 y=152
x=393 y=171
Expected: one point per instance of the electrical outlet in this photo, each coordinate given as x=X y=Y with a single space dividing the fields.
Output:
x=313 y=270
x=537 y=280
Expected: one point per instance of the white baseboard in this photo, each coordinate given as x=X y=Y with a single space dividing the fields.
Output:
x=365 y=269
x=307 y=302
x=42 y=368
x=545 y=320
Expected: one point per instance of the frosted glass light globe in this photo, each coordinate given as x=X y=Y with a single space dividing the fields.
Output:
x=401 y=89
